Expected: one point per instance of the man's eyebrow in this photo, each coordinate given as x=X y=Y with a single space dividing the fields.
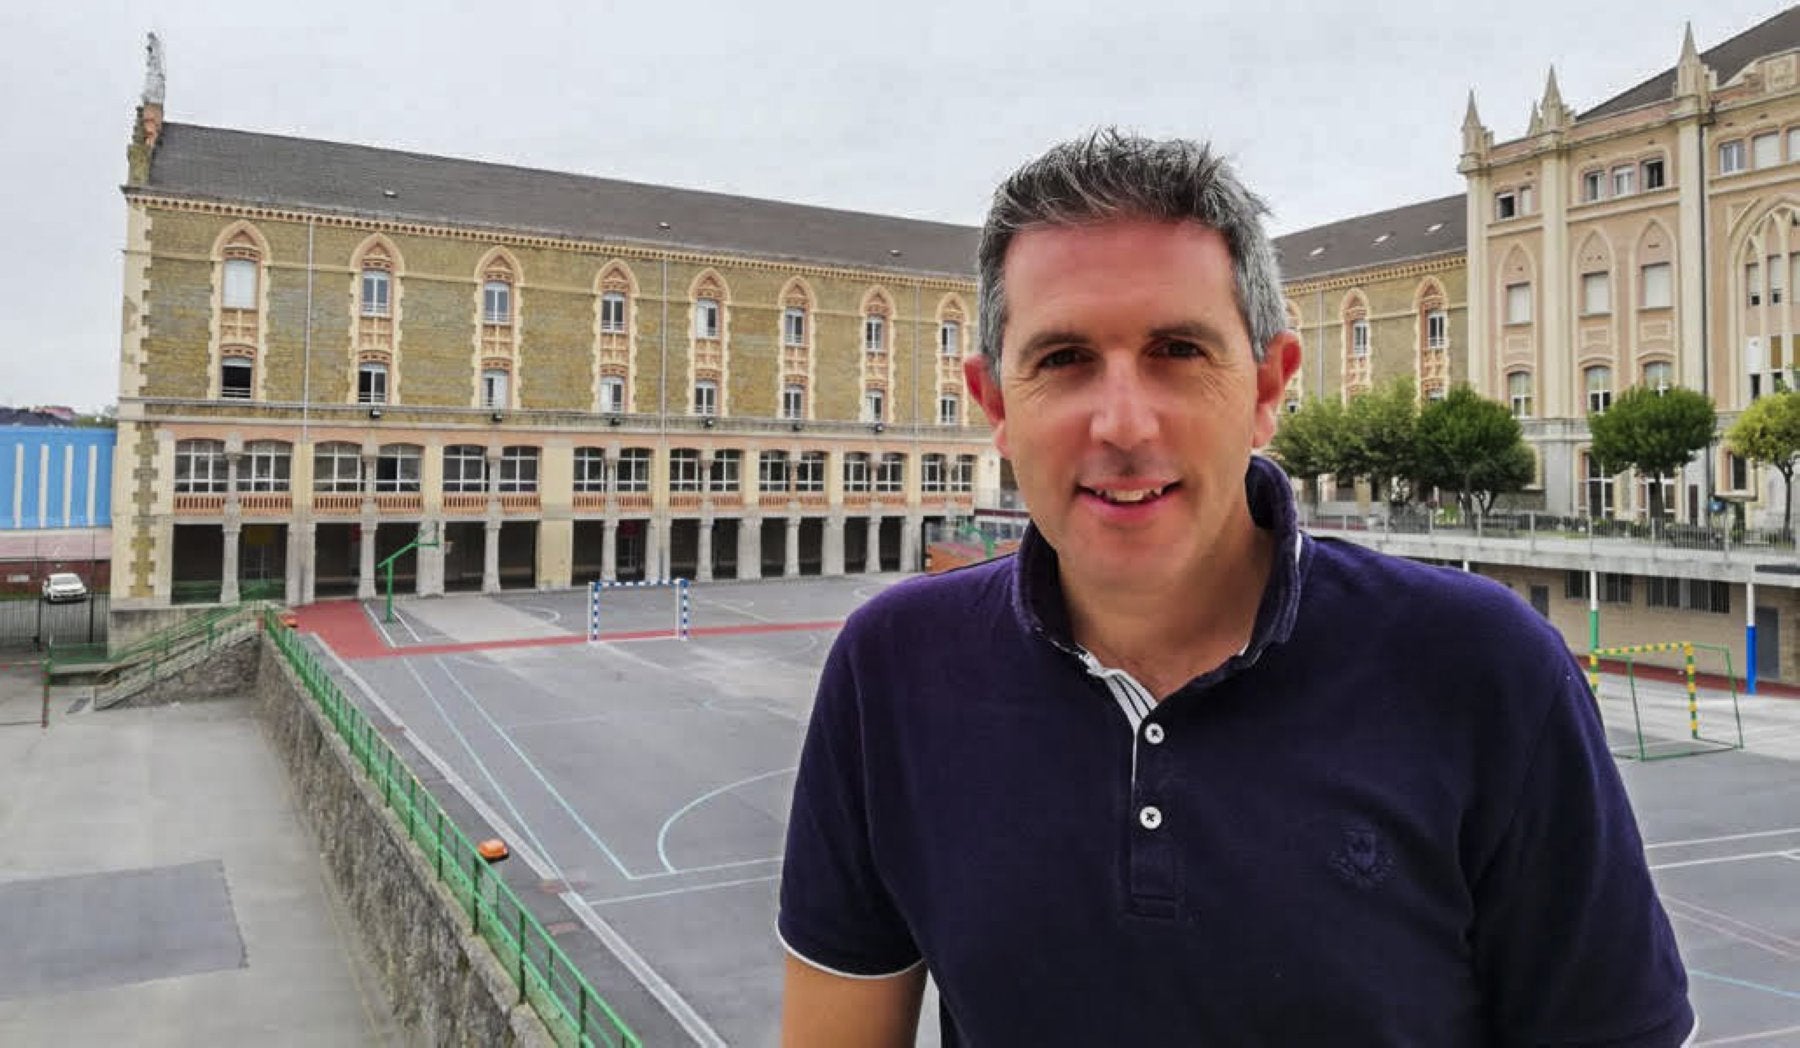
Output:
x=1196 y=330
x=1045 y=339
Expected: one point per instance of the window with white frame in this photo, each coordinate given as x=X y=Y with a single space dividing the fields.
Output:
x=706 y=397
x=633 y=473
x=890 y=473
x=200 y=467
x=337 y=468
x=874 y=406
x=856 y=472
x=1659 y=375
x=1655 y=173
x=377 y=287
x=1599 y=388
x=1775 y=270
x=809 y=472
x=727 y=467
x=684 y=470
x=962 y=479
x=266 y=466
x=1518 y=303
x=793 y=326
x=465 y=469
x=1793 y=144
x=397 y=468
x=1658 y=289
x=519 y=469
x=1596 y=294
x=1753 y=282
x=237 y=378
x=1437 y=329
x=1765 y=150
x=1359 y=338
x=1624 y=180
x=612 y=395
x=874 y=333
x=371 y=383
x=950 y=339
x=932 y=480
x=1506 y=204
x=949 y=409
x=706 y=318
x=496 y=302
x=612 y=312
x=590 y=470
x=239 y=291
x=1591 y=185
x=1597 y=489
x=1518 y=393
x=793 y=402
x=1731 y=157
x=493 y=388
x=1708 y=595
x=772 y=471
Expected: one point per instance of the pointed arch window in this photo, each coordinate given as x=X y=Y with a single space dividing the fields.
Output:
x=499 y=308
x=240 y=315
x=376 y=292
x=615 y=350
x=1358 y=348
x=796 y=350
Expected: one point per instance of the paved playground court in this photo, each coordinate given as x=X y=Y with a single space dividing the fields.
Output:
x=645 y=781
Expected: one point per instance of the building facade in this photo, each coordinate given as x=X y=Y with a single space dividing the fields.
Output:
x=331 y=352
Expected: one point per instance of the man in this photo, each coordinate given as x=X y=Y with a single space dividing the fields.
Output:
x=1177 y=773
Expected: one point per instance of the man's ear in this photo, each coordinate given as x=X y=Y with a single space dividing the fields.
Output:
x=985 y=388
x=1281 y=358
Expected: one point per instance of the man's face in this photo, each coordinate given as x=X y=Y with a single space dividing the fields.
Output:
x=1129 y=398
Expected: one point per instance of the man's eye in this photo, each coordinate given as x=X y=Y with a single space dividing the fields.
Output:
x=1183 y=350
x=1058 y=358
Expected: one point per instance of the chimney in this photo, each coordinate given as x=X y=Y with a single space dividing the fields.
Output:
x=149 y=114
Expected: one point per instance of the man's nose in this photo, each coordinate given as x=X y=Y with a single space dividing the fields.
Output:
x=1124 y=413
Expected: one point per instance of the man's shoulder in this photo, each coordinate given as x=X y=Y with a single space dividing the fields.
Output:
x=927 y=604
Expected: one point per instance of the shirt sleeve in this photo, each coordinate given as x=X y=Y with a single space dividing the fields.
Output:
x=1571 y=942
x=836 y=912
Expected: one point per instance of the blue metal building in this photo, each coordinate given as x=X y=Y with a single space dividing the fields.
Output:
x=55 y=477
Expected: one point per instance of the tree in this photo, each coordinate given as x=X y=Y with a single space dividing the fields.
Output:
x=1473 y=447
x=1312 y=441
x=1769 y=432
x=1652 y=432
x=1382 y=440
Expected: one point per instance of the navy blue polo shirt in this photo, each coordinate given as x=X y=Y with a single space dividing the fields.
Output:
x=1391 y=820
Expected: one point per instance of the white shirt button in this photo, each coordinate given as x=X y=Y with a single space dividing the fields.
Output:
x=1150 y=817
x=1153 y=734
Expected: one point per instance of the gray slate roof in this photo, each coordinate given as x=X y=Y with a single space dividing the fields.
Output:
x=274 y=170
x=1780 y=33
x=1357 y=243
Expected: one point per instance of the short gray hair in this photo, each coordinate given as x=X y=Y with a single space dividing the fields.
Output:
x=1110 y=174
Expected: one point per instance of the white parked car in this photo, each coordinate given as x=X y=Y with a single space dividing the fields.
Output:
x=63 y=585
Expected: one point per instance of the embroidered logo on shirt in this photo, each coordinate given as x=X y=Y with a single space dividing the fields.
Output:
x=1360 y=860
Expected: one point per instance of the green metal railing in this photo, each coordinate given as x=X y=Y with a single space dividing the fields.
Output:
x=555 y=988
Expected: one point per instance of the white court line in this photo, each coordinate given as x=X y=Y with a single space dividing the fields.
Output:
x=1785 y=854
x=1728 y=919
x=689 y=890
x=734 y=608
x=555 y=616
x=662 y=835
x=401 y=614
x=546 y=869
x=376 y=619
x=1721 y=840
x=1745 y=1038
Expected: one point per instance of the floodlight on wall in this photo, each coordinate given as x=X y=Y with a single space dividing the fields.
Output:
x=614 y=420
x=496 y=416
x=797 y=427
x=374 y=412
x=879 y=427
x=709 y=422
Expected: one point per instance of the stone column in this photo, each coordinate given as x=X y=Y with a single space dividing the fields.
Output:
x=299 y=548
x=791 y=569
x=834 y=543
x=309 y=559
x=872 y=554
x=365 y=571
x=431 y=559
x=655 y=536
x=490 y=556
x=911 y=528
x=703 y=568
x=749 y=548
x=609 y=549
x=228 y=588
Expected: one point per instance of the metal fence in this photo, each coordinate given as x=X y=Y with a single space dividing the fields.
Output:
x=1533 y=527
x=555 y=988
x=33 y=624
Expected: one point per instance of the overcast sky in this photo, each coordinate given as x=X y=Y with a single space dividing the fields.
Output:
x=915 y=109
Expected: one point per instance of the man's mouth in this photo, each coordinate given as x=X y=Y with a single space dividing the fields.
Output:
x=1129 y=496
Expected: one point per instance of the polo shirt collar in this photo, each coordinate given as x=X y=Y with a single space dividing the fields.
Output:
x=1037 y=589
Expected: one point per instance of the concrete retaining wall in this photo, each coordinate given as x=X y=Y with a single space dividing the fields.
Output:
x=442 y=981
x=228 y=672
